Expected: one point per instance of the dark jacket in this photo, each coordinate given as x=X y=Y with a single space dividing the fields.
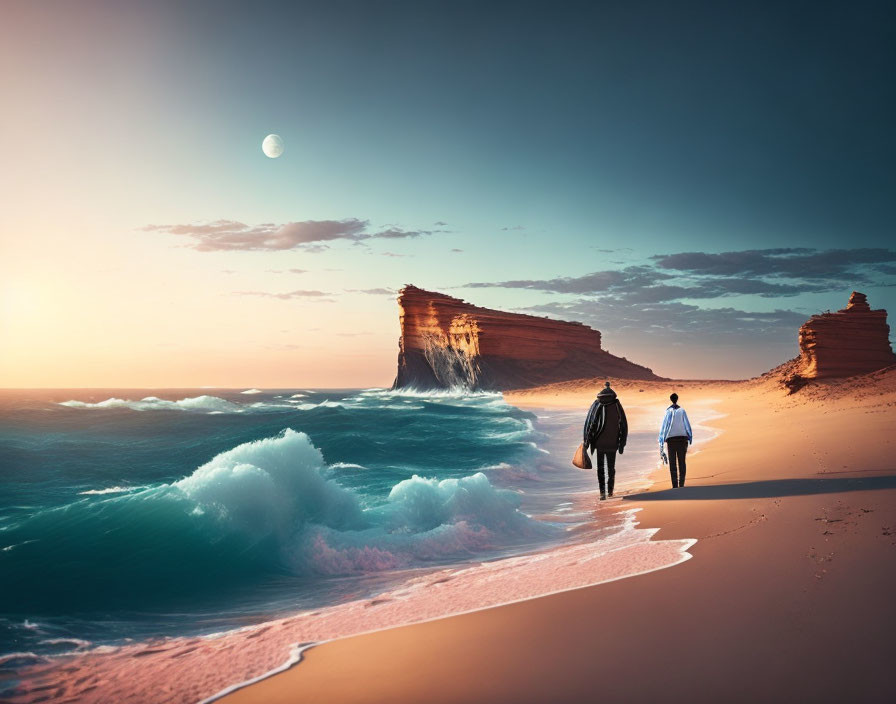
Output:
x=595 y=426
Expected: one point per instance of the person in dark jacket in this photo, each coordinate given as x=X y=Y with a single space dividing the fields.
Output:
x=606 y=431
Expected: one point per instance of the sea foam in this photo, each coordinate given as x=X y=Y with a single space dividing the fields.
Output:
x=262 y=507
x=153 y=403
x=278 y=487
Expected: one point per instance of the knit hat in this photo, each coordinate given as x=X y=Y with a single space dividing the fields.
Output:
x=606 y=392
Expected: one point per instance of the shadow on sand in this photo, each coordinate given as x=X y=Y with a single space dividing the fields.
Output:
x=768 y=489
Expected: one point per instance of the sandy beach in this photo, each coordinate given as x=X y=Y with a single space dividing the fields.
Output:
x=307 y=307
x=788 y=595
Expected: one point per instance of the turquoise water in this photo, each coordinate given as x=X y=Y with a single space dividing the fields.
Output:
x=132 y=514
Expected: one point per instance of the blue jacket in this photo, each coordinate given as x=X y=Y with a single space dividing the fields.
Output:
x=675 y=415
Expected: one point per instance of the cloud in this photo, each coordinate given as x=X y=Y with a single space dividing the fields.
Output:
x=299 y=293
x=595 y=282
x=515 y=227
x=769 y=273
x=394 y=254
x=717 y=288
x=686 y=322
x=287 y=271
x=373 y=291
x=308 y=235
x=397 y=233
x=660 y=299
x=456 y=250
x=796 y=263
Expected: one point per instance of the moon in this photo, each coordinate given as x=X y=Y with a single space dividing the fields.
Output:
x=272 y=146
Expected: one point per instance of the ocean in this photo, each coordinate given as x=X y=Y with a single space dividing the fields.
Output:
x=134 y=515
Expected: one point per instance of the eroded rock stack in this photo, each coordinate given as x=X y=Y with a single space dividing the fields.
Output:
x=855 y=340
x=446 y=343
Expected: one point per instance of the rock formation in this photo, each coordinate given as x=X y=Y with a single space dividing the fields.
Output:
x=446 y=342
x=855 y=340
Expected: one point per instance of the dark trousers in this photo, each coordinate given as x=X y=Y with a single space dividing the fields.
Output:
x=678 y=450
x=606 y=481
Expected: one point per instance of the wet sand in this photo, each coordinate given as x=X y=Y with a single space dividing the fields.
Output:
x=789 y=595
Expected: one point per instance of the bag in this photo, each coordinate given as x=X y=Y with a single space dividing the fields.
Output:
x=581 y=458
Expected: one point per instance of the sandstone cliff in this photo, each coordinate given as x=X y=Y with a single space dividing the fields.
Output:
x=855 y=340
x=446 y=342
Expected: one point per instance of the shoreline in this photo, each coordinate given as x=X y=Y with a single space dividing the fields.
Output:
x=677 y=555
x=648 y=482
x=630 y=549
x=738 y=533
x=298 y=650
x=733 y=507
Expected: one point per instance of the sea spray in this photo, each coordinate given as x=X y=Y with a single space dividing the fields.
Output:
x=134 y=515
x=264 y=507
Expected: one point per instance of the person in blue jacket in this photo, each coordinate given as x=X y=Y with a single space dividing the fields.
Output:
x=677 y=434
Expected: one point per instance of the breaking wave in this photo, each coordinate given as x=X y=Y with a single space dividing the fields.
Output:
x=264 y=507
x=455 y=394
x=153 y=403
x=202 y=404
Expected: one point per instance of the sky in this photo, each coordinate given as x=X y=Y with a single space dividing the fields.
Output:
x=693 y=179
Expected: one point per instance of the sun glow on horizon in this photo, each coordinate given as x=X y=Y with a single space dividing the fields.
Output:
x=23 y=303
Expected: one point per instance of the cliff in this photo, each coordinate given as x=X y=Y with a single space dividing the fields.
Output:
x=855 y=340
x=446 y=342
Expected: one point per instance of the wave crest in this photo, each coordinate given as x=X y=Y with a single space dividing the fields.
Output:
x=153 y=403
x=273 y=485
x=262 y=507
x=202 y=404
